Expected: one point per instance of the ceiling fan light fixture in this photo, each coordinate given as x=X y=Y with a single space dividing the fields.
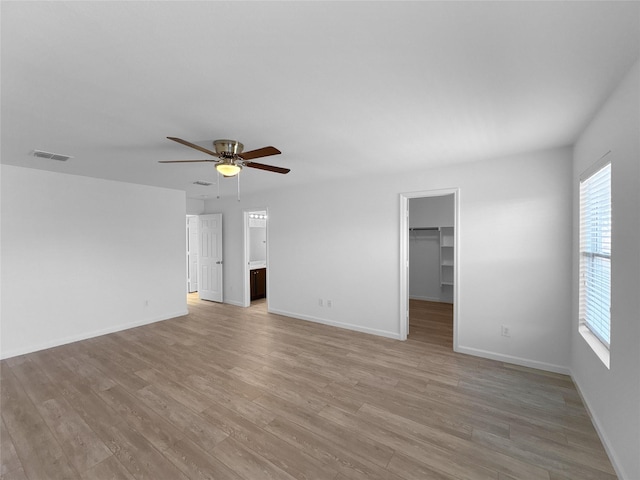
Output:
x=228 y=169
x=230 y=156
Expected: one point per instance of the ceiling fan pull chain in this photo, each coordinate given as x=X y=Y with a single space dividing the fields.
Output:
x=218 y=176
x=238 y=177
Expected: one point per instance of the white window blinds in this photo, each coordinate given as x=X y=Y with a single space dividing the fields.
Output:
x=595 y=253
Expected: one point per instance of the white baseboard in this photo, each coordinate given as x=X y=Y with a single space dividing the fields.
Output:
x=86 y=335
x=603 y=437
x=234 y=302
x=348 y=326
x=523 y=362
x=426 y=299
x=429 y=299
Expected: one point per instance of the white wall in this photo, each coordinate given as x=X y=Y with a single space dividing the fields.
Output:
x=424 y=247
x=340 y=241
x=195 y=206
x=81 y=256
x=613 y=396
x=432 y=211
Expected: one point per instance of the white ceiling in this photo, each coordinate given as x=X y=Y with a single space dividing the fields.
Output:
x=342 y=88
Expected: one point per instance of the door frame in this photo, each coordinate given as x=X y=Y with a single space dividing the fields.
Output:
x=246 y=300
x=404 y=257
x=189 y=252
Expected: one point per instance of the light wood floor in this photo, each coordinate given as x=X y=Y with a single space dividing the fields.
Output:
x=431 y=322
x=233 y=393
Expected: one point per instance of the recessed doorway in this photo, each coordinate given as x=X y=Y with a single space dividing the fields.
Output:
x=256 y=256
x=429 y=267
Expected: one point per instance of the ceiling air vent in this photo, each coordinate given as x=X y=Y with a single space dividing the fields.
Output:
x=204 y=184
x=51 y=156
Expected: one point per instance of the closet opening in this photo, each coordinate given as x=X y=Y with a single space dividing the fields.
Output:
x=429 y=267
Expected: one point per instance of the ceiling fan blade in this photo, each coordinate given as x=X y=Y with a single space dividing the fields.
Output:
x=193 y=145
x=269 y=168
x=186 y=161
x=260 y=152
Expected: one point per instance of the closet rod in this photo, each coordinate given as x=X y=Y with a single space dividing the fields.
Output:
x=423 y=228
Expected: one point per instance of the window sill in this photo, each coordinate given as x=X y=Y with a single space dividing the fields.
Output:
x=596 y=345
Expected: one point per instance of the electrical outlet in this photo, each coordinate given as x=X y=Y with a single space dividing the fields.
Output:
x=320 y=303
x=505 y=331
x=329 y=304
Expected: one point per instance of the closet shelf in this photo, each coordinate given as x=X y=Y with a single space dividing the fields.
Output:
x=446 y=255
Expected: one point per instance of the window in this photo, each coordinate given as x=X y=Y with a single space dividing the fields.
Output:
x=595 y=257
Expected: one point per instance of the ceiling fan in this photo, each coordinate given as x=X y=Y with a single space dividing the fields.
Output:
x=230 y=159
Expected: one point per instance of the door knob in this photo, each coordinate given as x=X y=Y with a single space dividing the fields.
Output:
x=219 y=262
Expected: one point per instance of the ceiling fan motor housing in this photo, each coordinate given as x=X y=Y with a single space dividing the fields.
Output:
x=228 y=148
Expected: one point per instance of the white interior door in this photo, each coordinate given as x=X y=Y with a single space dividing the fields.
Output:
x=192 y=253
x=210 y=257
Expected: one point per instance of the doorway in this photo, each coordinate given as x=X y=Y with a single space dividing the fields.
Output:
x=192 y=253
x=429 y=287
x=256 y=271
